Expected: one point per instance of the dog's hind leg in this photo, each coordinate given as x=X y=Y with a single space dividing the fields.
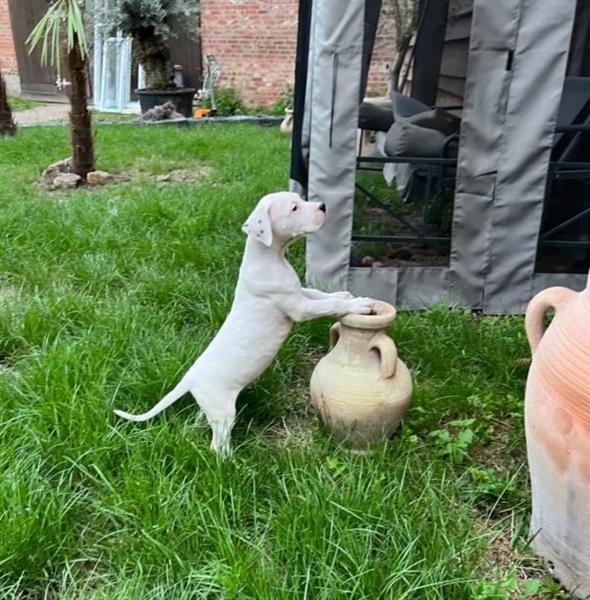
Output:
x=221 y=436
x=220 y=410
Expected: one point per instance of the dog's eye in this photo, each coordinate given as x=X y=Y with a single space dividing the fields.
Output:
x=295 y=207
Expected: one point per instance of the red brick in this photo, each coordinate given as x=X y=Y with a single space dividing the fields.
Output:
x=7 y=53
x=254 y=42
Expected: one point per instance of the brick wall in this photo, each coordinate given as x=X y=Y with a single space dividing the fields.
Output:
x=7 y=53
x=254 y=42
x=383 y=55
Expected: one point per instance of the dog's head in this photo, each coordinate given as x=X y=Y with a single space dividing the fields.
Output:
x=283 y=217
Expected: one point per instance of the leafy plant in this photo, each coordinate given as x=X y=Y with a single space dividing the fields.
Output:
x=454 y=441
x=228 y=102
x=151 y=24
x=440 y=211
x=284 y=102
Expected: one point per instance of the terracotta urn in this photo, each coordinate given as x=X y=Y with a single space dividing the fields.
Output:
x=361 y=388
x=287 y=123
x=557 y=423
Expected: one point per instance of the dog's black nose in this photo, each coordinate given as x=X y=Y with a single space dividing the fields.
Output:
x=323 y=207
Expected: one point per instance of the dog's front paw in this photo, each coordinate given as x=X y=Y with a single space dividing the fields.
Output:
x=361 y=306
x=343 y=295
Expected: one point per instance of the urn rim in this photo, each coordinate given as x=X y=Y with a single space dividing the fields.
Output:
x=384 y=315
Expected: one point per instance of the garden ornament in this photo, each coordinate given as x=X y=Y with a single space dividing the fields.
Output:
x=361 y=388
x=557 y=424
x=268 y=300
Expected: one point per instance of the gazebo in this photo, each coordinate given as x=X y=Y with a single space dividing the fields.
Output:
x=517 y=188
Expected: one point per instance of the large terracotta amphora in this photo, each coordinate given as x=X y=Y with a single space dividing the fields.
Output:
x=557 y=421
x=361 y=388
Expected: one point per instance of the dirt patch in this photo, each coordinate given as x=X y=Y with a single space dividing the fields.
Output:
x=506 y=558
x=298 y=427
x=383 y=221
x=8 y=293
x=194 y=176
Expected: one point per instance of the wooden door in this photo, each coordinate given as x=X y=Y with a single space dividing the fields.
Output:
x=36 y=80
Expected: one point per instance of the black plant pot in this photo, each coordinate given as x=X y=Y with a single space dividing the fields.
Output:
x=181 y=98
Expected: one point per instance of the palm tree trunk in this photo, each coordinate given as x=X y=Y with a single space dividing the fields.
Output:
x=80 y=118
x=7 y=125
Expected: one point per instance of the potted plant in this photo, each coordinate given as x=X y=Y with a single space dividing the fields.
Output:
x=151 y=24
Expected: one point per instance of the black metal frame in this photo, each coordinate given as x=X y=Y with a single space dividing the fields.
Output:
x=435 y=179
x=558 y=169
x=567 y=170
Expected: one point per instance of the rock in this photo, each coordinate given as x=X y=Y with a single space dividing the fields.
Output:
x=163 y=178
x=367 y=261
x=180 y=175
x=98 y=178
x=66 y=181
x=163 y=112
x=52 y=171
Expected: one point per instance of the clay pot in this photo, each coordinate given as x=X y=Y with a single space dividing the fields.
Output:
x=557 y=421
x=361 y=388
x=287 y=123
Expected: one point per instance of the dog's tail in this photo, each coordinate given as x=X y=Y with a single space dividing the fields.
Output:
x=180 y=390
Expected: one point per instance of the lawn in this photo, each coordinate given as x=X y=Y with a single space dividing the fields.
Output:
x=17 y=103
x=108 y=295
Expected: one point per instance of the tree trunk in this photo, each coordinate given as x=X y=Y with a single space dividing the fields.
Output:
x=7 y=125
x=80 y=118
x=402 y=50
x=154 y=56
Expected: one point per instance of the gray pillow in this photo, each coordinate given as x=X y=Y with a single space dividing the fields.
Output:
x=408 y=139
x=438 y=119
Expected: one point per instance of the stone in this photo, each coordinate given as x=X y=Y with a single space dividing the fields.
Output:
x=52 y=171
x=163 y=178
x=162 y=112
x=66 y=181
x=99 y=178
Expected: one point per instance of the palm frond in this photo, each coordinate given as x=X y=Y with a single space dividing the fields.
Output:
x=49 y=32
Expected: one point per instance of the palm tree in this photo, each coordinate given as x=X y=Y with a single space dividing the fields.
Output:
x=63 y=24
x=7 y=125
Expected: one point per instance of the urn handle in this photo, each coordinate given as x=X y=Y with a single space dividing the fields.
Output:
x=334 y=334
x=534 y=321
x=387 y=352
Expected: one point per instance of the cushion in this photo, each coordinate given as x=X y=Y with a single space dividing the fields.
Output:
x=441 y=120
x=408 y=139
x=404 y=106
x=374 y=118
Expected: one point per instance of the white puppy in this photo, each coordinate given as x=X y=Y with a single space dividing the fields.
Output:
x=268 y=300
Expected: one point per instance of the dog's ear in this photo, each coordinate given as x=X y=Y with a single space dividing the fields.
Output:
x=258 y=224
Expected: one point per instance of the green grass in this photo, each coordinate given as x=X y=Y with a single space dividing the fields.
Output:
x=17 y=103
x=106 y=297
x=111 y=117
